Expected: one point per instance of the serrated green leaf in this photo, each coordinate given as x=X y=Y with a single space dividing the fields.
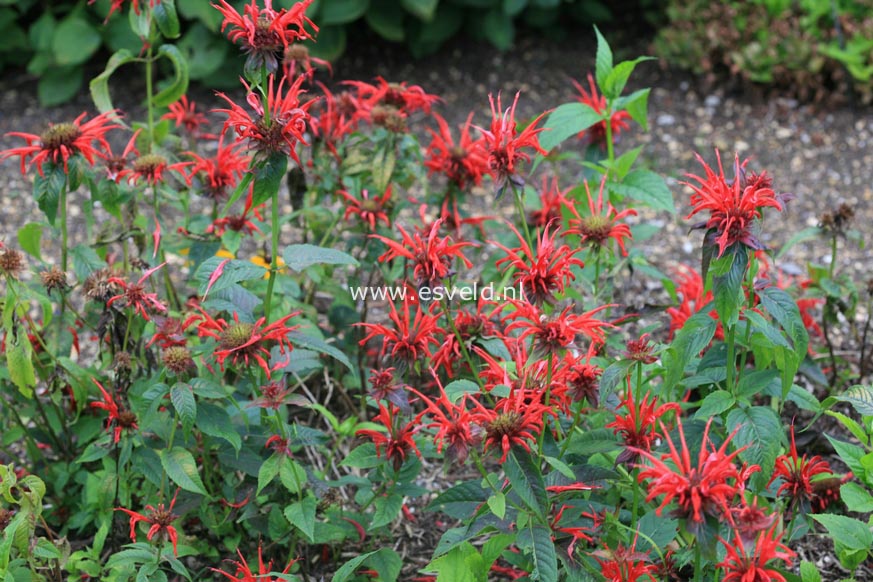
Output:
x=302 y=516
x=646 y=187
x=47 y=190
x=29 y=237
x=387 y=508
x=860 y=397
x=715 y=403
x=181 y=467
x=602 y=60
x=847 y=532
x=269 y=470
x=348 y=569
x=497 y=504
x=566 y=121
x=182 y=397
x=544 y=556
x=233 y=271
x=760 y=429
x=301 y=256
x=268 y=178
x=456 y=389
x=526 y=479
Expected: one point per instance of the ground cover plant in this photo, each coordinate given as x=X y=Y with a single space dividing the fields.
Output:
x=208 y=387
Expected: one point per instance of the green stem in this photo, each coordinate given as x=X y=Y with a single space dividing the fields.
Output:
x=149 y=64
x=731 y=360
x=274 y=255
x=832 y=267
x=519 y=205
x=610 y=148
x=62 y=207
x=466 y=353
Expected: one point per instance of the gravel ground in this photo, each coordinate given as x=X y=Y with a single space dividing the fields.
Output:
x=823 y=156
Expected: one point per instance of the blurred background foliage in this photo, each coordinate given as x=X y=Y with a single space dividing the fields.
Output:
x=811 y=48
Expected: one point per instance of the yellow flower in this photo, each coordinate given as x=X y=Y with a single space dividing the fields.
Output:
x=261 y=262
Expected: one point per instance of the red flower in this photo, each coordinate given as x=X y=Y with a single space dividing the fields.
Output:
x=169 y=332
x=556 y=332
x=698 y=490
x=135 y=296
x=397 y=440
x=638 y=425
x=544 y=272
x=464 y=162
x=160 y=519
x=385 y=387
x=733 y=207
x=60 y=142
x=238 y=222
x=583 y=380
x=505 y=146
x=408 y=340
x=150 y=167
x=337 y=119
x=454 y=423
x=117 y=5
x=263 y=33
x=407 y=99
x=218 y=175
x=641 y=350
x=625 y=564
x=432 y=256
x=576 y=532
x=744 y=564
x=749 y=521
x=370 y=211
x=597 y=133
x=690 y=289
x=297 y=56
x=797 y=473
x=184 y=114
x=552 y=200
x=471 y=326
x=273 y=395
x=244 y=571
x=284 y=128
x=119 y=418
x=241 y=341
x=598 y=227
x=514 y=420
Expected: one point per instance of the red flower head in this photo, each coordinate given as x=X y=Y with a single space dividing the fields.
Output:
x=263 y=33
x=638 y=425
x=119 y=418
x=432 y=256
x=169 y=332
x=797 y=474
x=596 y=134
x=698 y=490
x=184 y=114
x=284 y=128
x=583 y=380
x=454 y=423
x=244 y=571
x=463 y=163
x=576 y=532
x=470 y=326
x=733 y=206
x=407 y=99
x=336 y=120
x=397 y=440
x=690 y=290
x=135 y=296
x=750 y=520
x=410 y=338
x=514 y=420
x=744 y=564
x=505 y=146
x=215 y=177
x=552 y=200
x=241 y=341
x=160 y=519
x=297 y=57
x=641 y=350
x=597 y=227
x=148 y=167
x=385 y=387
x=273 y=396
x=239 y=222
x=625 y=564
x=544 y=272
x=370 y=211
x=60 y=142
x=556 y=332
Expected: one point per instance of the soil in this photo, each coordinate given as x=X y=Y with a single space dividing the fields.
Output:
x=823 y=156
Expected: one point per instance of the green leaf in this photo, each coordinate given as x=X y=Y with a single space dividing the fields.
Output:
x=85 y=261
x=29 y=237
x=183 y=401
x=19 y=353
x=269 y=470
x=422 y=9
x=846 y=532
x=47 y=190
x=694 y=336
x=599 y=440
x=303 y=256
x=459 y=565
x=809 y=572
x=446 y=22
x=214 y=421
x=59 y=84
x=179 y=84
x=166 y=18
x=383 y=167
x=646 y=187
x=637 y=106
x=292 y=475
x=387 y=508
x=497 y=504
x=100 y=84
x=661 y=530
x=362 y=457
x=499 y=29
x=386 y=20
x=727 y=289
x=181 y=467
x=856 y=498
x=544 y=556
x=341 y=11
x=319 y=345
x=268 y=178
x=603 y=59
x=234 y=271
x=760 y=429
x=566 y=121
x=302 y=516
x=715 y=403
x=457 y=388
x=612 y=378
x=348 y=569
x=860 y=397
x=387 y=564
x=616 y=80
x=74 y=41
x=526 y=479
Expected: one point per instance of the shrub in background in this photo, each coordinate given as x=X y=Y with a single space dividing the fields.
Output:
x=812 y=47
